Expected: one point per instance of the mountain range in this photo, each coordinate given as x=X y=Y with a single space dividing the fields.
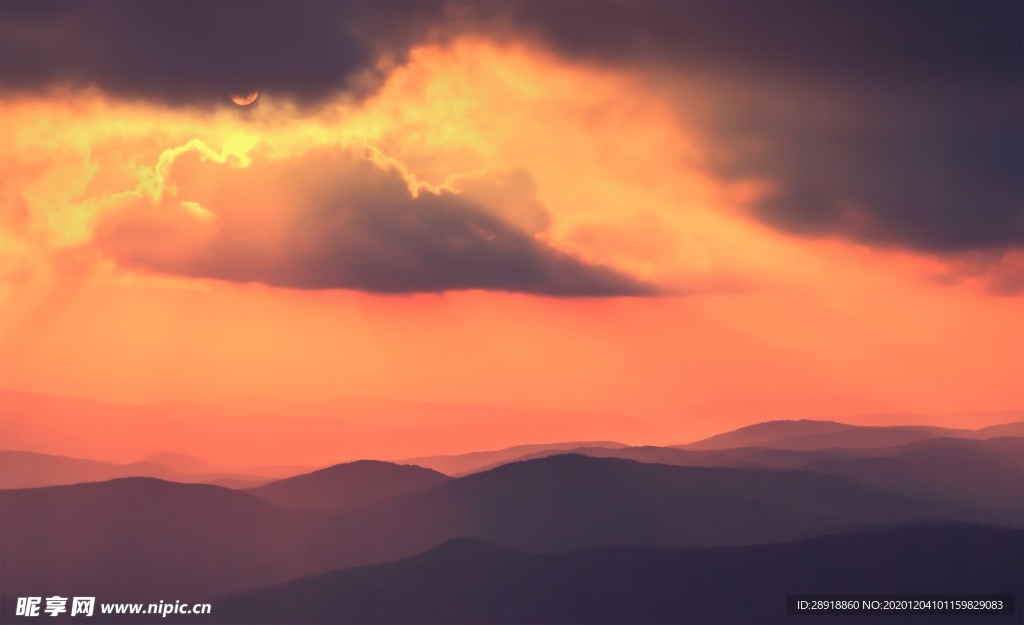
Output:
x=547 y=532
x=133 y=536
x=967 y=471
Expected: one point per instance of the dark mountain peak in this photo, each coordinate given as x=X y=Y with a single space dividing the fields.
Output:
x=787 y=424
x=23 y=469
x=120 y=484
x=464 y=464
x=141 y=481
x=134 y=489
x=570 y=458
x=360 y=470
x=367 y=466
x=562 y=463
x=349 y=485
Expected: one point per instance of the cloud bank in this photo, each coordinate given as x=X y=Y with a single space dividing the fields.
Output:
x=334 y=220
x=196 y=53
x=892 y=125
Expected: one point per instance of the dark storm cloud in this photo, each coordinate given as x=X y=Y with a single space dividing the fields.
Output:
x=893 y=124
x=343 y=223
x=434 y=243
x=868 y=42
x=196 y=52
x=937 y=174
x=182 y=50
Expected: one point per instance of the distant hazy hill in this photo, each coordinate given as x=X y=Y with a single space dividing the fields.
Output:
x=190 y=464
x=24 y=469
x=989 y=472
x=742 y=457
x=759 y=434
x=1003 y=429
x=480 y=460
x=471 y=582
x=348 y=486
x=810 y=435
x=865 y=437
x=764 y=457
x=646 y=453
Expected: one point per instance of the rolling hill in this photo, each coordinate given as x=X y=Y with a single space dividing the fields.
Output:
x=348 y=486
x=811 y=435
x=463 y=464
x=985 y=473
x=24 y=469
x=760 y=434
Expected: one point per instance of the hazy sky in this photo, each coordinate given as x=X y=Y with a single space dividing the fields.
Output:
x=680 y=211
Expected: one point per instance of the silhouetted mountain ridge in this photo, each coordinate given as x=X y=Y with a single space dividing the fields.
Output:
x=348 y=486
x=758 y=434
x=25 y=469
x=463 y=464
x=132 y=538
x=808 y=434
x=967 y=471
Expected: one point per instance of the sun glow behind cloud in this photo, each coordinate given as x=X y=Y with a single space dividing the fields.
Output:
x=598 y=165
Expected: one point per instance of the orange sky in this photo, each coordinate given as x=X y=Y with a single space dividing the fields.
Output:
x=99 y=194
